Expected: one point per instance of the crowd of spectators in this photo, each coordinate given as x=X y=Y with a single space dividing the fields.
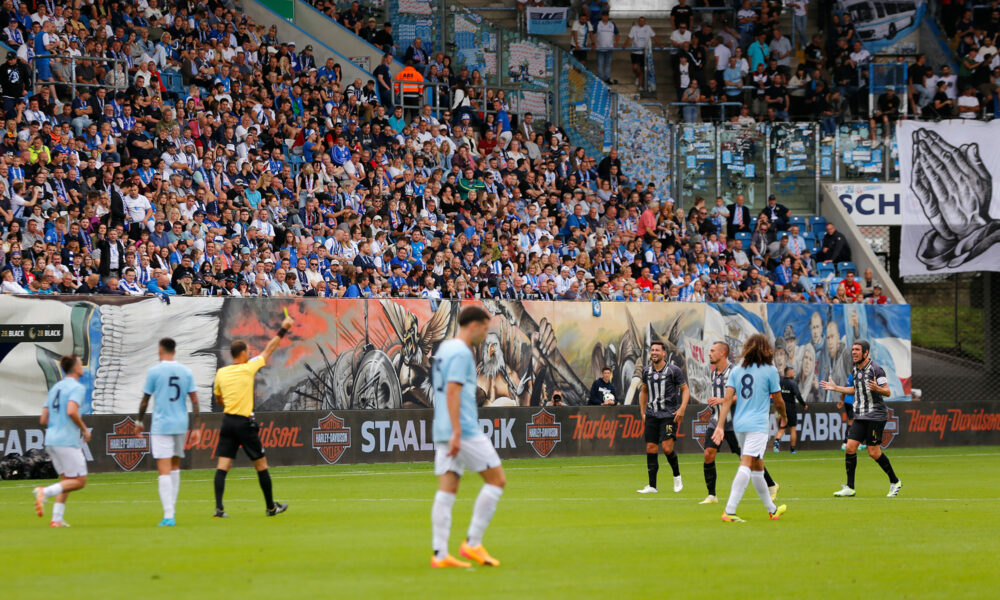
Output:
x=272 y=176
x=744 y=66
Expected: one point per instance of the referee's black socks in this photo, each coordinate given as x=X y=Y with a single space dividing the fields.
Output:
x=652 y=465
x=264 y=477
x=674 y=464
x=767 y=478
x=883 y=461
x=220 y=487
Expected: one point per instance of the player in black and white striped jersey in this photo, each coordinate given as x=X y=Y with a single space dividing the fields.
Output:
x=663 y=398
x=871 y=387
x=718 y=354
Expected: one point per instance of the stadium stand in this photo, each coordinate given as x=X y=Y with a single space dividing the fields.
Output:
x=200 y=153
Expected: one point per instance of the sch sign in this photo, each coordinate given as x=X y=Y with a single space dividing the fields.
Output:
x=871 y=203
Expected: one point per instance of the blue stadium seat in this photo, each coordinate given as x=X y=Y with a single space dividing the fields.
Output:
x=824 y=270
x=798 y=220
x=782 y=235
x=173 y=81
x=844 y=267
x=810 y=239
x=745 y=237
x=753 y=223
x=817 y=225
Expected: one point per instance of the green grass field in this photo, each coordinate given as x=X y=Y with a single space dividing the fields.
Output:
x=565 y=528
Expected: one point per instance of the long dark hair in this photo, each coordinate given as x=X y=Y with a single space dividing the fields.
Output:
x=757 y=350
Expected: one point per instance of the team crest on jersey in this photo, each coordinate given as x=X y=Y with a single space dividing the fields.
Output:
x=891 y=428
x=699 y=427
x=125 y=445
x=331 y=438
x=543 y=432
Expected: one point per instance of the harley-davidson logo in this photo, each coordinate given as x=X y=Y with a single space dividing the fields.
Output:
x=699 y=427
x=125 y=445
x=331 y=439
x=891 y=429
x=543 y=432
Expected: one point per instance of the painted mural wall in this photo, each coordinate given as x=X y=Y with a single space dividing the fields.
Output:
x=375 y=354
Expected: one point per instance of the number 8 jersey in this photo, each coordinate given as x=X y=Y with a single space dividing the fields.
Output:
x=169 y=383
x=754 y=386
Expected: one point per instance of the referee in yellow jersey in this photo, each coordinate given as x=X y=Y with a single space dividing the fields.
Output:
x=234 y=391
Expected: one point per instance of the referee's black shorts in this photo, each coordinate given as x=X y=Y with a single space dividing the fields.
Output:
x=730 y=439
x=791 y=418
x=660 y=429
x=239 y=432
x=849 y=411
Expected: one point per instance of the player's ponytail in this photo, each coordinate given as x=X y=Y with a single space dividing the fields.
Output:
x=757 y=350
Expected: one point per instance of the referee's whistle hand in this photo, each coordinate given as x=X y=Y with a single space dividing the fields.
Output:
x=139 y=428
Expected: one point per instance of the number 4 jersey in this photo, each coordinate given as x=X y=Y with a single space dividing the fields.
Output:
x=754 y=386
x=62 y=431
x=169 y=383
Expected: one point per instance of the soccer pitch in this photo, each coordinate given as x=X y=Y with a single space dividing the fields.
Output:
x=564 y=528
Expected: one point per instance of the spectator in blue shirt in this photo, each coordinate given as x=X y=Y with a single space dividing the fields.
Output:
x=504 y=133
x=340 y=153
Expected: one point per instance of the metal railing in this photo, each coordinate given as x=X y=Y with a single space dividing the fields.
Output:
x=73 y=84
x=440 y=96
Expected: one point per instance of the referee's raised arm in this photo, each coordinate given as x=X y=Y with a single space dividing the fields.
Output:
x=272 y=345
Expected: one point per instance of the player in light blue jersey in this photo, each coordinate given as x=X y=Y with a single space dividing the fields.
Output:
x=64 y=430
x=752 y=386
x=459 y=443
x=170 y=384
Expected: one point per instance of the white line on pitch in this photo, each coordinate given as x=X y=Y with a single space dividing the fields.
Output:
x=428 y=470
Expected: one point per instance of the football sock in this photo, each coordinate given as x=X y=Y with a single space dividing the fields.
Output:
x=767 y=478
x=220 y=487
x=441 y=522
x=58 y=511
x=757 y=477
x=851 y=461
x=486 y=505
x=675 y=466
x=264 y=477
x=883 y=461
x=53 y=490
x=739 y=486
x=166 y=496
x=175 y=481
x=710 y=476
x=652 y=465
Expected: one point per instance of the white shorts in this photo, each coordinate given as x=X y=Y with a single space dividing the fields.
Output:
x=475 y=454
x=69 y=462
x=753 y=443
x=167 y=446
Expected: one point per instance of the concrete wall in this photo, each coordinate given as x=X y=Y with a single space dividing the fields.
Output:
x=293 y=33
x=861 y=253
x=337 y=36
